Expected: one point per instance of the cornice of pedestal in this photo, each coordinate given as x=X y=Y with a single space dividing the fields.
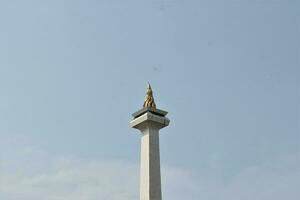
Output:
x=151 y=110
x=149 y=118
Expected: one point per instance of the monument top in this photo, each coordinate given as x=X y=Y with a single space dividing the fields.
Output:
x=149 y=113
x=149 y=105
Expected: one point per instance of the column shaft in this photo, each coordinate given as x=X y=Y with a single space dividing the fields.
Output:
x=150 y=180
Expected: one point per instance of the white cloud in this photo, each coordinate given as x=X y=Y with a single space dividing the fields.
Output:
x=29 y=173
x=74 y=180
x=277 y=180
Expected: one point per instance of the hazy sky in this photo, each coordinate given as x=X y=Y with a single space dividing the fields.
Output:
x=72 y=72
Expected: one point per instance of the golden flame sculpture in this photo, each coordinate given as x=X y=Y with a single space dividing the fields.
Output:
x=149 y=99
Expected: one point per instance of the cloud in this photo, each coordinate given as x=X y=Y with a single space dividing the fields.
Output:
x=274 y=180
x=29 y=173
x=68 y=179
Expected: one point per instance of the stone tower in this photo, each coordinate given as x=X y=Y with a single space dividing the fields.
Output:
x=149 y=120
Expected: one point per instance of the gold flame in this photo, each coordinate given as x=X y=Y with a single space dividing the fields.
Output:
x=149 y=99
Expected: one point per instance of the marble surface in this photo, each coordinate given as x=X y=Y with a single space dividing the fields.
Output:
x=150 y=178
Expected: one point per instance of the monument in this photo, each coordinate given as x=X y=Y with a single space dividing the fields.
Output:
x=149 y=120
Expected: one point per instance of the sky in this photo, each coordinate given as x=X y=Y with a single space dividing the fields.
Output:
x=73 y=72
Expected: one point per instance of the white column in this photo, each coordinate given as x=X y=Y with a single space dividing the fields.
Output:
x=150 y=181
x=150 y=186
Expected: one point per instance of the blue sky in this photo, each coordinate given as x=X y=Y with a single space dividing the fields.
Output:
x=72 y=72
